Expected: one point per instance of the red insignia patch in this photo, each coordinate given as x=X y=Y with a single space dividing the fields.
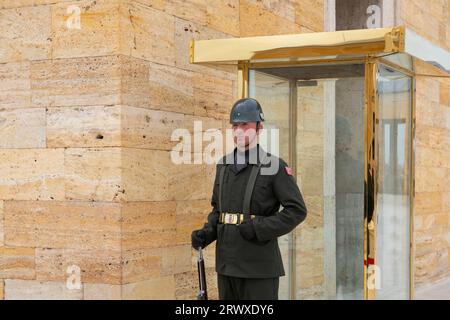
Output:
x=288 y=171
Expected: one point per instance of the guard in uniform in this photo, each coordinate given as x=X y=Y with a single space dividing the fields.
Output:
x=246 y=220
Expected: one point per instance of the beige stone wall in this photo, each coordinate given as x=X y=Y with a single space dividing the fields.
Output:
x=432 y=171
x=85 y=119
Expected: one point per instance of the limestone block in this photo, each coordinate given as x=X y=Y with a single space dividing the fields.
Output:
x=135 y=86
x=427 y=202
x=190 y=215
x=98 y=32
x=441 y=220
x=54 y=224
x=446 y=203
x=448 y=256
x=39 y=290
x=176 y=259
x=148 y=224
x=15 y=87
x=206 y=136
x=185 y=31
x=171 y=88
x=444 y=94
x=187 y=285
x=311 y=293
x=95 y=266
x=257 y=21
x=192 y=10
x=309 y=238
x=431 y=137
x=424 y=264
x=310 y=264
x=429 y=157
x=310 y=145
x=31 y=174
x=149 y=129
x=156 y=4
x=187 y=181
x=145 y=174
x=141 y=264
x=213 y=96
x=430 y=179
x=311 y=177
x=428 y=87
x=161 y=288
x=423 y=247
x=96 y=126
x=446 y=118
x=310 y=13
x=17 y=263
x=2 y=290
x=167 y=88
x=223 y=16
x=311 y=122
x=26 y=34
x=207 y=123
x=282 y=8
x=314 y=204
x=2 y=225
x=147 y=33
x=94 y=174
x=22 y=128
x=101 y=291
x=76 y=82
x=27 y=3
x=145 y=264
x=156 y=86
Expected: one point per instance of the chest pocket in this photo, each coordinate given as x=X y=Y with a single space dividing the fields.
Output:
x=263 y=181
x=261 y=193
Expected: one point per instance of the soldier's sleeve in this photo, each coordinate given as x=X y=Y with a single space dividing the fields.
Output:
x=210 y=226
x=294 y=209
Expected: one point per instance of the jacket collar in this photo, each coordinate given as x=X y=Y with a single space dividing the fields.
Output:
x=255 y=156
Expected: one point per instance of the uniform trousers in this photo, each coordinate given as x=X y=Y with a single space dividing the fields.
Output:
x=233 y=288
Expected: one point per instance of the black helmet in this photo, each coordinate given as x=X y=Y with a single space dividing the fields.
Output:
x=246 y=110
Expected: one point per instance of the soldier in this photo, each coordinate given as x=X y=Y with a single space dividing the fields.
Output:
x=245 y=220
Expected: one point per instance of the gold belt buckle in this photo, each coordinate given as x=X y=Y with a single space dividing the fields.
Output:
x=230 y=218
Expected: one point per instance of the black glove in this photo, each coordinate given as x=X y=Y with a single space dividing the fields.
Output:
x=198 y=239
x=247 y=230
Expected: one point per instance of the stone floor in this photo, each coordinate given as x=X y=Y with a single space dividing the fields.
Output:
x=436 y=291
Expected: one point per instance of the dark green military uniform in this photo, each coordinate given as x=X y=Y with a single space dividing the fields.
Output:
x=259 y=259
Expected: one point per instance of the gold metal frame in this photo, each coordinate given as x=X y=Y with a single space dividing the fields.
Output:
x=367 y=41
x=354 y=46
x=412 y=186
x=410 y=73
x=243 y=79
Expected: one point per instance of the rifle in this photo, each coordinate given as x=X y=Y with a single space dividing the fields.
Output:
x=202 y=295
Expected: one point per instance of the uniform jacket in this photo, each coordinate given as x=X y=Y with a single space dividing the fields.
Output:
x=259 y=258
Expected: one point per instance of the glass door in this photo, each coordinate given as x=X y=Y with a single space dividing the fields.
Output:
x=393 y=213
x=318 y=112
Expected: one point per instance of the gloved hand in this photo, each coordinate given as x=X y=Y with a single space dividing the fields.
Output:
x=198 y=239
x=247 y=230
